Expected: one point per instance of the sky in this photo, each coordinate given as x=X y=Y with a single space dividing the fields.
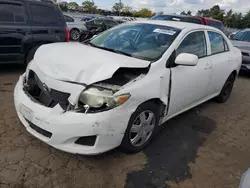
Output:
x=176 y=6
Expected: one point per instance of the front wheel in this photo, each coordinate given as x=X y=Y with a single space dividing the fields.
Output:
x=226 y=90
x=141 y=128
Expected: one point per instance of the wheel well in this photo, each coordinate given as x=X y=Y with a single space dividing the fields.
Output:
x=159 y=103
x=234 y=73
x=75 y=29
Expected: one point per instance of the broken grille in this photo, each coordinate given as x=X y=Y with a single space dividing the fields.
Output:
x=44 y=95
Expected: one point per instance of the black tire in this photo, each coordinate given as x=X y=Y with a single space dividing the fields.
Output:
x=126 y=145
x=226 y=90
x=31 y=54
x=75 y=34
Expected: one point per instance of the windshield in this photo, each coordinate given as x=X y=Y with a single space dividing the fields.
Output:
x=242 y=36
x=142 y=41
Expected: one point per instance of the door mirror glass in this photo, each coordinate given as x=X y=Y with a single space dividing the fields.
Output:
x=186 y=59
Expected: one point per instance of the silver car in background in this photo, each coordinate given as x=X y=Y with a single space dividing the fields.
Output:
x=241 y=40
x=75 y=25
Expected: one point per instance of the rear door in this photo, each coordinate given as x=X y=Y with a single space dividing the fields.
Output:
x=47 y=22
x=222 y=61
x=14 y=30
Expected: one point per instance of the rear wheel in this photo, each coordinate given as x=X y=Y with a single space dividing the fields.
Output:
x=141 y=128
x=75 y=34
x=226 y=90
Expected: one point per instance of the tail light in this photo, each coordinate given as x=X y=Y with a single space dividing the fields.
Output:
x=67 y=35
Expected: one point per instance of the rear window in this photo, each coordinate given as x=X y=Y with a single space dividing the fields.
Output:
x=178 y=18
x=12 y=13
x=218 y=25
x=68 y=19
x=43 y=15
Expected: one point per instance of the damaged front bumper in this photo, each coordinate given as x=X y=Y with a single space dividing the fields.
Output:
x=70 y=131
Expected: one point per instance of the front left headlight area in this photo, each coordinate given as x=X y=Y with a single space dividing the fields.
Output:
x=97 y=99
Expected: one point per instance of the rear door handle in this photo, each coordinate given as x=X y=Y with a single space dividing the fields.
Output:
x=230 y=60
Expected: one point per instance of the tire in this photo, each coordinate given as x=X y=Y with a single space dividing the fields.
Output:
x=131 y=142
x=31 y=54
x=75 y=34
x=226 y=90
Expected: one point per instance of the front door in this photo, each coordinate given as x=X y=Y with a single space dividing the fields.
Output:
x=221 y=59
x=13 y=29
x=189 y=83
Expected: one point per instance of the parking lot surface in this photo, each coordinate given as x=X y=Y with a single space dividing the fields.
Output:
x=208 y=146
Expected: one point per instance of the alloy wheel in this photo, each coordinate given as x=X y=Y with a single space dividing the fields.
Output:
x=142 y=128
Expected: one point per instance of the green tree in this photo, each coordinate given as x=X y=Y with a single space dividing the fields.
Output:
x=204 y=13
x=127 y=9
x=228 y=20
x=183 y=13
x=144 y=13
x=186 y=13
x=118 y=7
x=89 y=6
x=64 y=6
x=217 y=13
x=73 y=4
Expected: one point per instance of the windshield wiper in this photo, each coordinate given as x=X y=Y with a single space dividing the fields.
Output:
x=117 y=51
x=109 y=49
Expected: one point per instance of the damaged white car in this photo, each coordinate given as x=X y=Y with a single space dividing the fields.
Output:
x=118 y=88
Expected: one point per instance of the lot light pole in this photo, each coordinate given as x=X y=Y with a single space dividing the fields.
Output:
x=120 y=5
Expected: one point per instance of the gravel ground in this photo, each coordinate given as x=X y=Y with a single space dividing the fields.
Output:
x=208 y=146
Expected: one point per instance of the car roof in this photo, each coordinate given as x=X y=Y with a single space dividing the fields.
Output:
x=179 y=25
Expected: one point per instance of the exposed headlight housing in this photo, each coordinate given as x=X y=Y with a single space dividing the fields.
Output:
x=100 y=99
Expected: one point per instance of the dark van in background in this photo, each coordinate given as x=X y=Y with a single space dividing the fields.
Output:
x=25 y=25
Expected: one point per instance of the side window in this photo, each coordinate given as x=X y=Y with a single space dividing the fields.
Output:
x=218 y=44
x=194 y=43
x=68 y=19
x=246 y=37
x=98 y=21
x=12 y=13
x=215 y=24
x=110 y=22
x=239 y=36
x=42 y=14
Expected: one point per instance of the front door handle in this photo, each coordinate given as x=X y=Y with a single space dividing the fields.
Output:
x=208 y=66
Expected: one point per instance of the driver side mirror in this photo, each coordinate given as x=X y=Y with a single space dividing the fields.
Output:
x=186 y=59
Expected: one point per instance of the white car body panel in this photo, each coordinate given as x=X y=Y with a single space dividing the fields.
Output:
x=179 y=88
x=84 y=68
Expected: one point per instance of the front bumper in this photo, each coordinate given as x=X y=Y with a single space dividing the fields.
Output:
x=67 y=127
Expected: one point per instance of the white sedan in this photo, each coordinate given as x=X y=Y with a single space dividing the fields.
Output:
x=119 y=87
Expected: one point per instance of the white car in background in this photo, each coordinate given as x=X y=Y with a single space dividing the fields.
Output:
x=75 y=26
x=132 y=79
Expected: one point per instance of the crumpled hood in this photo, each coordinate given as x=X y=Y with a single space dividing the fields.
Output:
x=241 y=44
x=81 y=63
